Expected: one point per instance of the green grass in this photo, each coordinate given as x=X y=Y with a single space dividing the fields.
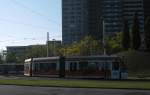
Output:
x=78 y=83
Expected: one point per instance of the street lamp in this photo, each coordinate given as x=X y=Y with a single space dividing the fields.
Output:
x=54 y=47
x=104 y=42
x=47 y=44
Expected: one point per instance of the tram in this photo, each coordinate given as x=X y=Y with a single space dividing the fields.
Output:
x=48 y=66
x=102 y=67
x=11 y=69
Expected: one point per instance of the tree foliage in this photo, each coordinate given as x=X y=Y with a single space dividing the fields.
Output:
x=1 y=60
x=113 y=44
x=41 y=50
x=87 y=46
x=125 y=36
x=11 y=58
x=36 y=51
x=147 y=34
x=135 y=33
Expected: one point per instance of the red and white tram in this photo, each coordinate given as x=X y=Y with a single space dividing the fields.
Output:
x=106 y=67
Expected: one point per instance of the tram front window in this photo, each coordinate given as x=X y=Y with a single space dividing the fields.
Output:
x=26 y=67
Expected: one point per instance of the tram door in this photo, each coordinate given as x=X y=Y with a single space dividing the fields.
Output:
x=115 y=71
x=62 y=67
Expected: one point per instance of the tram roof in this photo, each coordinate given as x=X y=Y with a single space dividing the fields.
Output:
x=47 y=58
x=43 y=58
x=99 y=57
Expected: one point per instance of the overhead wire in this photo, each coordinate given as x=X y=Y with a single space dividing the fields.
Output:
x=35 y=12
x=28 y=24
x=25 y=24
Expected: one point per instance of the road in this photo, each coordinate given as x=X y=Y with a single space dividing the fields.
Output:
x=28 y=90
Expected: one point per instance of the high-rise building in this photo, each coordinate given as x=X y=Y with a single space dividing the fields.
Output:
x=112 y=14
x=74 y=20
x=85 y=17
x=146 y=8
x=79 y=19
x=94 y=20
x=132 y=8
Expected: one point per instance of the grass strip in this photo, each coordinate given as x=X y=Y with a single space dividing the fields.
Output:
x=78 y=83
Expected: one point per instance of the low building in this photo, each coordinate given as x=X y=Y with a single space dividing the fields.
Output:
x=17 y=50
x=52 y=46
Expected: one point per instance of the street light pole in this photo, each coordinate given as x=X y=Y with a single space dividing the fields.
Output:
x=54 y=47
x=47 y=44
x=104 y=43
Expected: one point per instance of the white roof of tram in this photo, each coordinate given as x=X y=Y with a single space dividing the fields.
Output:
x=96 y=57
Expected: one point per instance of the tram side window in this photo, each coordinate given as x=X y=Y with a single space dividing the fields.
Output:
x=53 y=66
x=107 y=66
x=101 y=66
x=48 y=66
x=37 y=67
x=93 y=66
x=73 y=66
x=115 y=66
x=83 y=65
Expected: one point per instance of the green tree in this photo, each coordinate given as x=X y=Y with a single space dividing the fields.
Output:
x=11 y=58
x=1 y=59
x=125 y=36
x=147 y=34
x=36 y=51
x=41 y=50
x=113 y=44
x=90 y=46
x=87 y=46
x=135 y=33
x=54 y=48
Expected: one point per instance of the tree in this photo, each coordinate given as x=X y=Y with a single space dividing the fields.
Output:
x=41 y=50
x=87 y=46
x=90 y=46
x=113 y=44
x=11 y=58
x=147 y=34
x=135 y=33
x=1 y=59
x=36 y=51
x=125 y=36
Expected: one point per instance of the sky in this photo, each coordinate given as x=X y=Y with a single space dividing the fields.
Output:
x=26 y=22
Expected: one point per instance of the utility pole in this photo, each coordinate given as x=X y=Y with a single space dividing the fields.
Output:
x=54 y=47
x=47 y=44
x=104 y=43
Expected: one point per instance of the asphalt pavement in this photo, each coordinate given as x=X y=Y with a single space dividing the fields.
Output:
x=28 y=90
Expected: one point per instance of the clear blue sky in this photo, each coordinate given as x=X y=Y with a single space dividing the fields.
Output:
x=26 y=22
